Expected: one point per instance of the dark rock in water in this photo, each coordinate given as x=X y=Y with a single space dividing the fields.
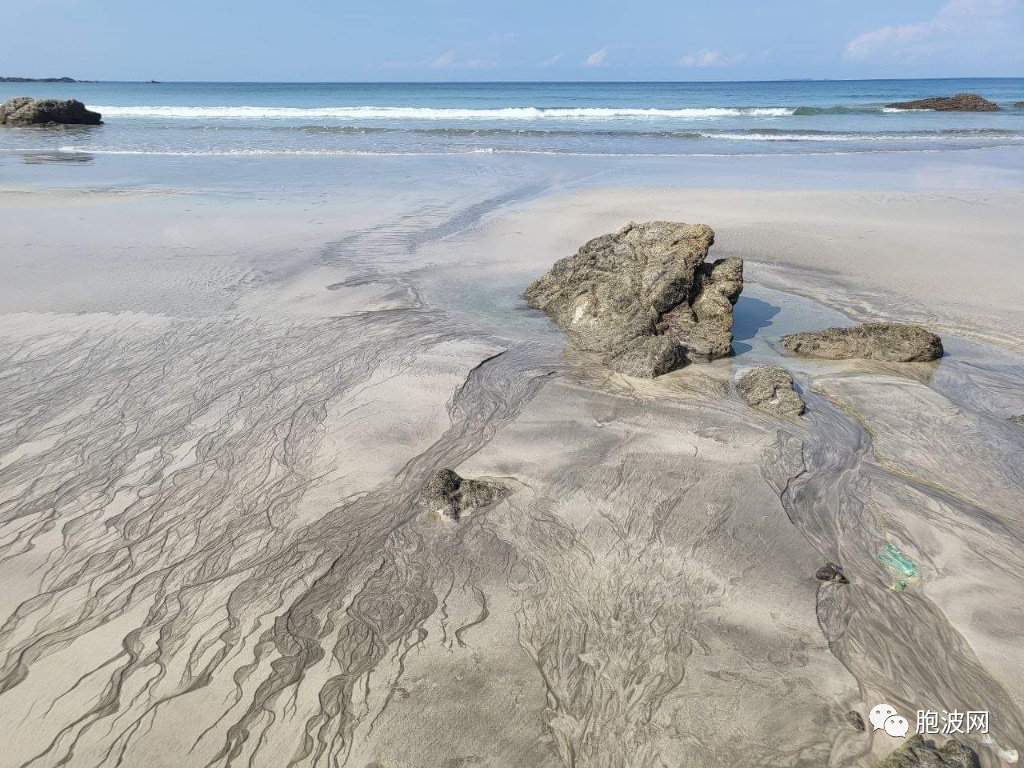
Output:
x=644 y=298
x=962 y=102
x=917 y=753
x=22 y=110
x=450 y=495
x=770 y=388
x=832 y=573
x=855 y=720
x=1018 y=105
x=40 y=80
x=889 y=342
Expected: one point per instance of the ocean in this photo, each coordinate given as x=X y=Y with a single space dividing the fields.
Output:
x=589 y=119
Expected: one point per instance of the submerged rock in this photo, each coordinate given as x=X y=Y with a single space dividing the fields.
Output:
x=644 y=298
x=962 y=102
x=25 y=111
x=853 y=717
x=770 y=388
x=450 y=495
x=917 y=753
x=832 y=573
x=1018 y=105
x=889 y=342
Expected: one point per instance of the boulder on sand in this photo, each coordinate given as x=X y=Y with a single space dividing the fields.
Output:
x=644 y=298
x=917 y=753
x=22 y=110
x=962 y=102
x=888 y=342
x=450 y=495
x=832 y=573
x=770 y=388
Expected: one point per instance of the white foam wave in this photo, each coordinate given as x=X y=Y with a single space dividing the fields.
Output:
x=428 y=113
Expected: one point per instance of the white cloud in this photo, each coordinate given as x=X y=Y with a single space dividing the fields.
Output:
x=448 y=60
x=709 y=58
x=553 y=60
x=444 y=61
x=597 y=58
x=956 y=22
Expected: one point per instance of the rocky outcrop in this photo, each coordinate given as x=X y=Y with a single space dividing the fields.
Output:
x=450 y=495
x=962 y=102
x=644 y=298
x=831 y=573
x=1018 y=105
x=889 y=342
x=770 y=388
x=917 y=753
x=40 y=80
x=25 y=111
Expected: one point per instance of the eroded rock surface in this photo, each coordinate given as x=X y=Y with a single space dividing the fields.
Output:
x=22 y=110
x=853 y=717
x=962 y=102
x=644 y=297
x=889 y=342
x=451 y=496
x=917 y=753
x=770 y=388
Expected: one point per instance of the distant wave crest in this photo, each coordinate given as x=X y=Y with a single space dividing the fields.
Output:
x=429 y=113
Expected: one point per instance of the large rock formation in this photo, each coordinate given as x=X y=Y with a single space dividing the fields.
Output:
x=889 y=342
x=25 y=111
x=770 y=388
x=644 y=298
x=450 y=495
x=962 y=102
x=917 y=753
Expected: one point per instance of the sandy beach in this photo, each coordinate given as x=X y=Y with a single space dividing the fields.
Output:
x=218 y=417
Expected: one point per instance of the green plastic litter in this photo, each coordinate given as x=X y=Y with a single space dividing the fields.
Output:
x=896 y=560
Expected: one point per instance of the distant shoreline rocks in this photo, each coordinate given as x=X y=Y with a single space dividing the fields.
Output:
x=887 y=342
x=41 y=80
x=644 y=298
x=22 y=110
x=962 y=102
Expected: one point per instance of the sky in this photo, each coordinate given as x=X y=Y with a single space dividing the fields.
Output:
x=446 y=40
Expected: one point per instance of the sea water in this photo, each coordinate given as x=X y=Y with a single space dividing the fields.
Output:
x=589 y=119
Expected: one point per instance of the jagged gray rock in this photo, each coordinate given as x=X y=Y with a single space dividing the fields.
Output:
x=770 y=388
x=917 y=753
x=962 y=102
x=644 y=297
x=832 y=573
x=450 y=495
x=22 y=110
x=889 y=342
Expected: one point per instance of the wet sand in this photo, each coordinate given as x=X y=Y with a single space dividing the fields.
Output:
x=212 y=553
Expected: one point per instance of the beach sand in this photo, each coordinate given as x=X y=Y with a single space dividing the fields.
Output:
x=217 y=418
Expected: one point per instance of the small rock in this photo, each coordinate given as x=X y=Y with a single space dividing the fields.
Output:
x=855 y=720
x=831 y=572
x=25 y=111
x=450 y=495
x=644 y=298
x=888 y=342
x=1018 y=105
x=1019 y=420
x=917 y=753
x=770 y=388
x=962 y=102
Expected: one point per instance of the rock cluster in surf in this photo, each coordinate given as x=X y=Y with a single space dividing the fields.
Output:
x=962 y=102
x=450 y=495
x=644 y=298
x=917 y=753
x=888 y=342
x=770 y=388
x=22 y=110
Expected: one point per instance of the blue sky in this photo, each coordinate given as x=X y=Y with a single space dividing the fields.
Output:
x=339 y=40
